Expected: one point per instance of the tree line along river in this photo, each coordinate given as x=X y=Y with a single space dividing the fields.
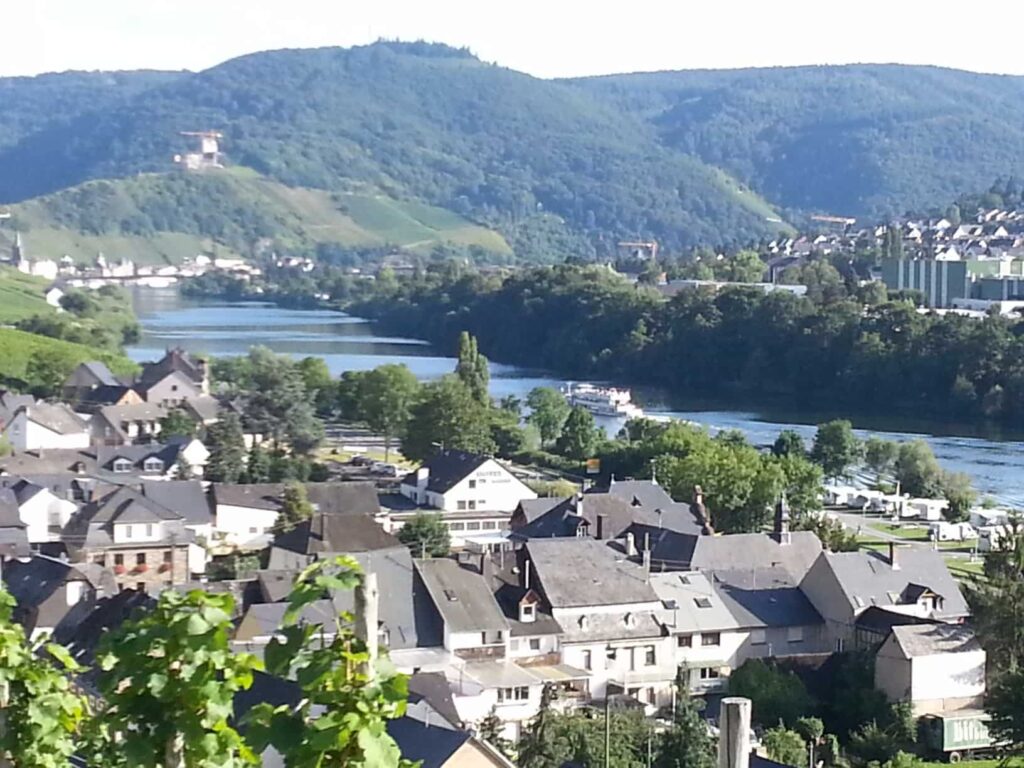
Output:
x=995 y=463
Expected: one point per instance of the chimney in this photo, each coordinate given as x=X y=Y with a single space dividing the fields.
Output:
x=781 y=528
x=894 y=557
x=661 y=514
x=630 y=545
x=422 y=477
x=600 y=526
x=647 y=554
x=526 y=574
x=734 y=733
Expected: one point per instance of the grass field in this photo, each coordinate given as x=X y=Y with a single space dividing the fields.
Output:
x=18 y=347
x=21 y=296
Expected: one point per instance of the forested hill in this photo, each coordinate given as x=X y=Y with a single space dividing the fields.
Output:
x=557 y=167
x=851 y=140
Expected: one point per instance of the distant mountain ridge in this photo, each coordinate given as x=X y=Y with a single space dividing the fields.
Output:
x=559 y=168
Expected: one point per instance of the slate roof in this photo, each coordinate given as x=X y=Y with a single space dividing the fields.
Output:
x=612 y=626
x=9 y=514
x=916 y=640
x=583 y=572
x=506 y=583
x=881 y=620
x=432 y=746
x=55 y=417
x=185 y=497
x=103 y=395
x=55 y=461
x=691 y=603
x=92 y=528
x=351 y=498
x=10 y=403
x=564 y=519
x=404 y=603
x=433 y=688
x=176 y=359
x=109 y=613
x=535 y=508
x=867 y=578
x=205 y=408
x=137 y=454
x=34 y=582
x=447 y=469
x=100 y=372
x=264 y=619
x=462 y=597
x=116 y=415
x=335 y=533
x=14 y=542
x=756 y=551
x=768 y=599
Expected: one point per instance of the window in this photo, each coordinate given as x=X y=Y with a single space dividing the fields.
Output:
x=513 y=644
x=472 y=505
x=122 y=466
x=149 y=531
x=710 y=673
x=519 y=693
x=650 y=656
x=527 y=612
x=472 y=483
x=461 y=506
x=588 y=660
x=140 y=586
x=456 y=526
x=685 y=641
x=490 y=525
x=474 y=526
x=612 y=654
x=757 y=637
x=702 y=602
x=100 y=560
x=128 y=531
x=795 y=635
x=534 y=643
x=118 y=559
x=174 y=387
x=711 y=638
x=253 y=529
x=168 y=556
x=152 y=465
x=140 y=558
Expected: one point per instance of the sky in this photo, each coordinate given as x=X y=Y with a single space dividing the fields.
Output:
x=546 y=38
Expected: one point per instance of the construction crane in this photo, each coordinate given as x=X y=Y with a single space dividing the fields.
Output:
x=640 y=249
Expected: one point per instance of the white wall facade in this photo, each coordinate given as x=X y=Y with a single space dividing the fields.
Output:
x=44 y=511
x=245 y=527
x=489 y=487
x=26 y=435
x=138 y=533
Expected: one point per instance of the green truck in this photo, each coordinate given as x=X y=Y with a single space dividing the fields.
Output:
x=956 y=735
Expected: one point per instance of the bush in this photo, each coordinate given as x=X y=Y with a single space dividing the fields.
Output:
x=778 y=696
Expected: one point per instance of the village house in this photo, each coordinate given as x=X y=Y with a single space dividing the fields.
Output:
x=45 y=505
x=127 y=424
x=87 y=377
x=45 y=426
x=156 y=377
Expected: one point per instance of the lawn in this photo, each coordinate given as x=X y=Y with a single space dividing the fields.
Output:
x=910 y=533
x=21 y=296
x=962 y=568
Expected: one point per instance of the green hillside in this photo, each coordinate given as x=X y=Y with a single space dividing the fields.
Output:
x=164 y=218
x=18 y=347
x=556 y=170
x=21 y=296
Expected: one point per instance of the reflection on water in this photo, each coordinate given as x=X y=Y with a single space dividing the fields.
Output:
x=348 y=343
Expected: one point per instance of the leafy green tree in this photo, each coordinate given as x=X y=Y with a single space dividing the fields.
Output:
x=872 y=743
x=472 y=369
x=277 y=402
x=508 y=437
x=917 y=470
x=490 y=729
x=177 y=423
x=835 y=448
x=536 y=746
x=880 y=456
x=426 y=535
x=548 y=412
x=257 y=464
x=580 y=435
x=168 y=680
x=802 y=483
x=832 y=533
x=348 y=395
x=777 y=696
x=789 y=443
x=226 y=444
x=959 y=493
x=687 y=743
x=320 y=387
x=347 y=696
x=295 y=507
x=40 y=713
x=386 y=397
x=785 y=746
x=447 y=416
x=47 y=370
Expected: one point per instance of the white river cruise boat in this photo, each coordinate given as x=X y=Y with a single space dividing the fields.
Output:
x=604 y=401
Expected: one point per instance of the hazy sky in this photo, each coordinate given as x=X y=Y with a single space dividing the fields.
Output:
x=548 y=38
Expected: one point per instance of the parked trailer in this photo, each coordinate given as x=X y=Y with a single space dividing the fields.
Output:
x=956 y=735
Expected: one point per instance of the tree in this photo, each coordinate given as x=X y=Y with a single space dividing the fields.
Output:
x=177 y=423
x=472 y=369
x=536 y=748
x=169 y=680
x=785 y=746
x=295 y=507
x=490 y=729
x=880 y=456
x=348 y=395
x=426 y=535
x=579 y=436
x=319 y=386
x=789 y=443
x=347 y=695
x=802 y=483
x=386 y=397
x=687 y=743
x=506 y=434
x=257 y=465
x=777 y=696
x=832 y=533
x=917 y=470
x=277 y=403
x=226 y=444
x=447 y=416
x=835 y=447
x=40 y=714
x=958 y=491
x=47 y=370
x=548 y=412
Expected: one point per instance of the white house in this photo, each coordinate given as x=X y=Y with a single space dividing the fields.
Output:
x=46 y=425
x=245 y=515
x=454 y=481
x=933 y=667
x=44 y=512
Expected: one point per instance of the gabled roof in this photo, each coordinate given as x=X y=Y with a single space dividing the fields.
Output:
x=431 y=746
x=32 y=582
x=185 y=497
x=616 y=513
x=10 y=516
x=462 y=597
x=585 y=572
x=917 y=640
x=137 y=454
x=348 y=498
x=755 y=551
x=105 y=394
x=126 y=505
x=100 y=372
x=691 y=603
x=868 y=578
x=448 y=469
x=55 y=417
x=176 y=359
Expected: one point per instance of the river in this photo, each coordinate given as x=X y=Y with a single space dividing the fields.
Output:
x=349 y=343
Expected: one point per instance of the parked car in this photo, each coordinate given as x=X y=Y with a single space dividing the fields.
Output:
x=362 y=461
x=385 y=469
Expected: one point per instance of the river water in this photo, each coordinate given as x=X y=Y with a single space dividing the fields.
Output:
x=995 y=463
